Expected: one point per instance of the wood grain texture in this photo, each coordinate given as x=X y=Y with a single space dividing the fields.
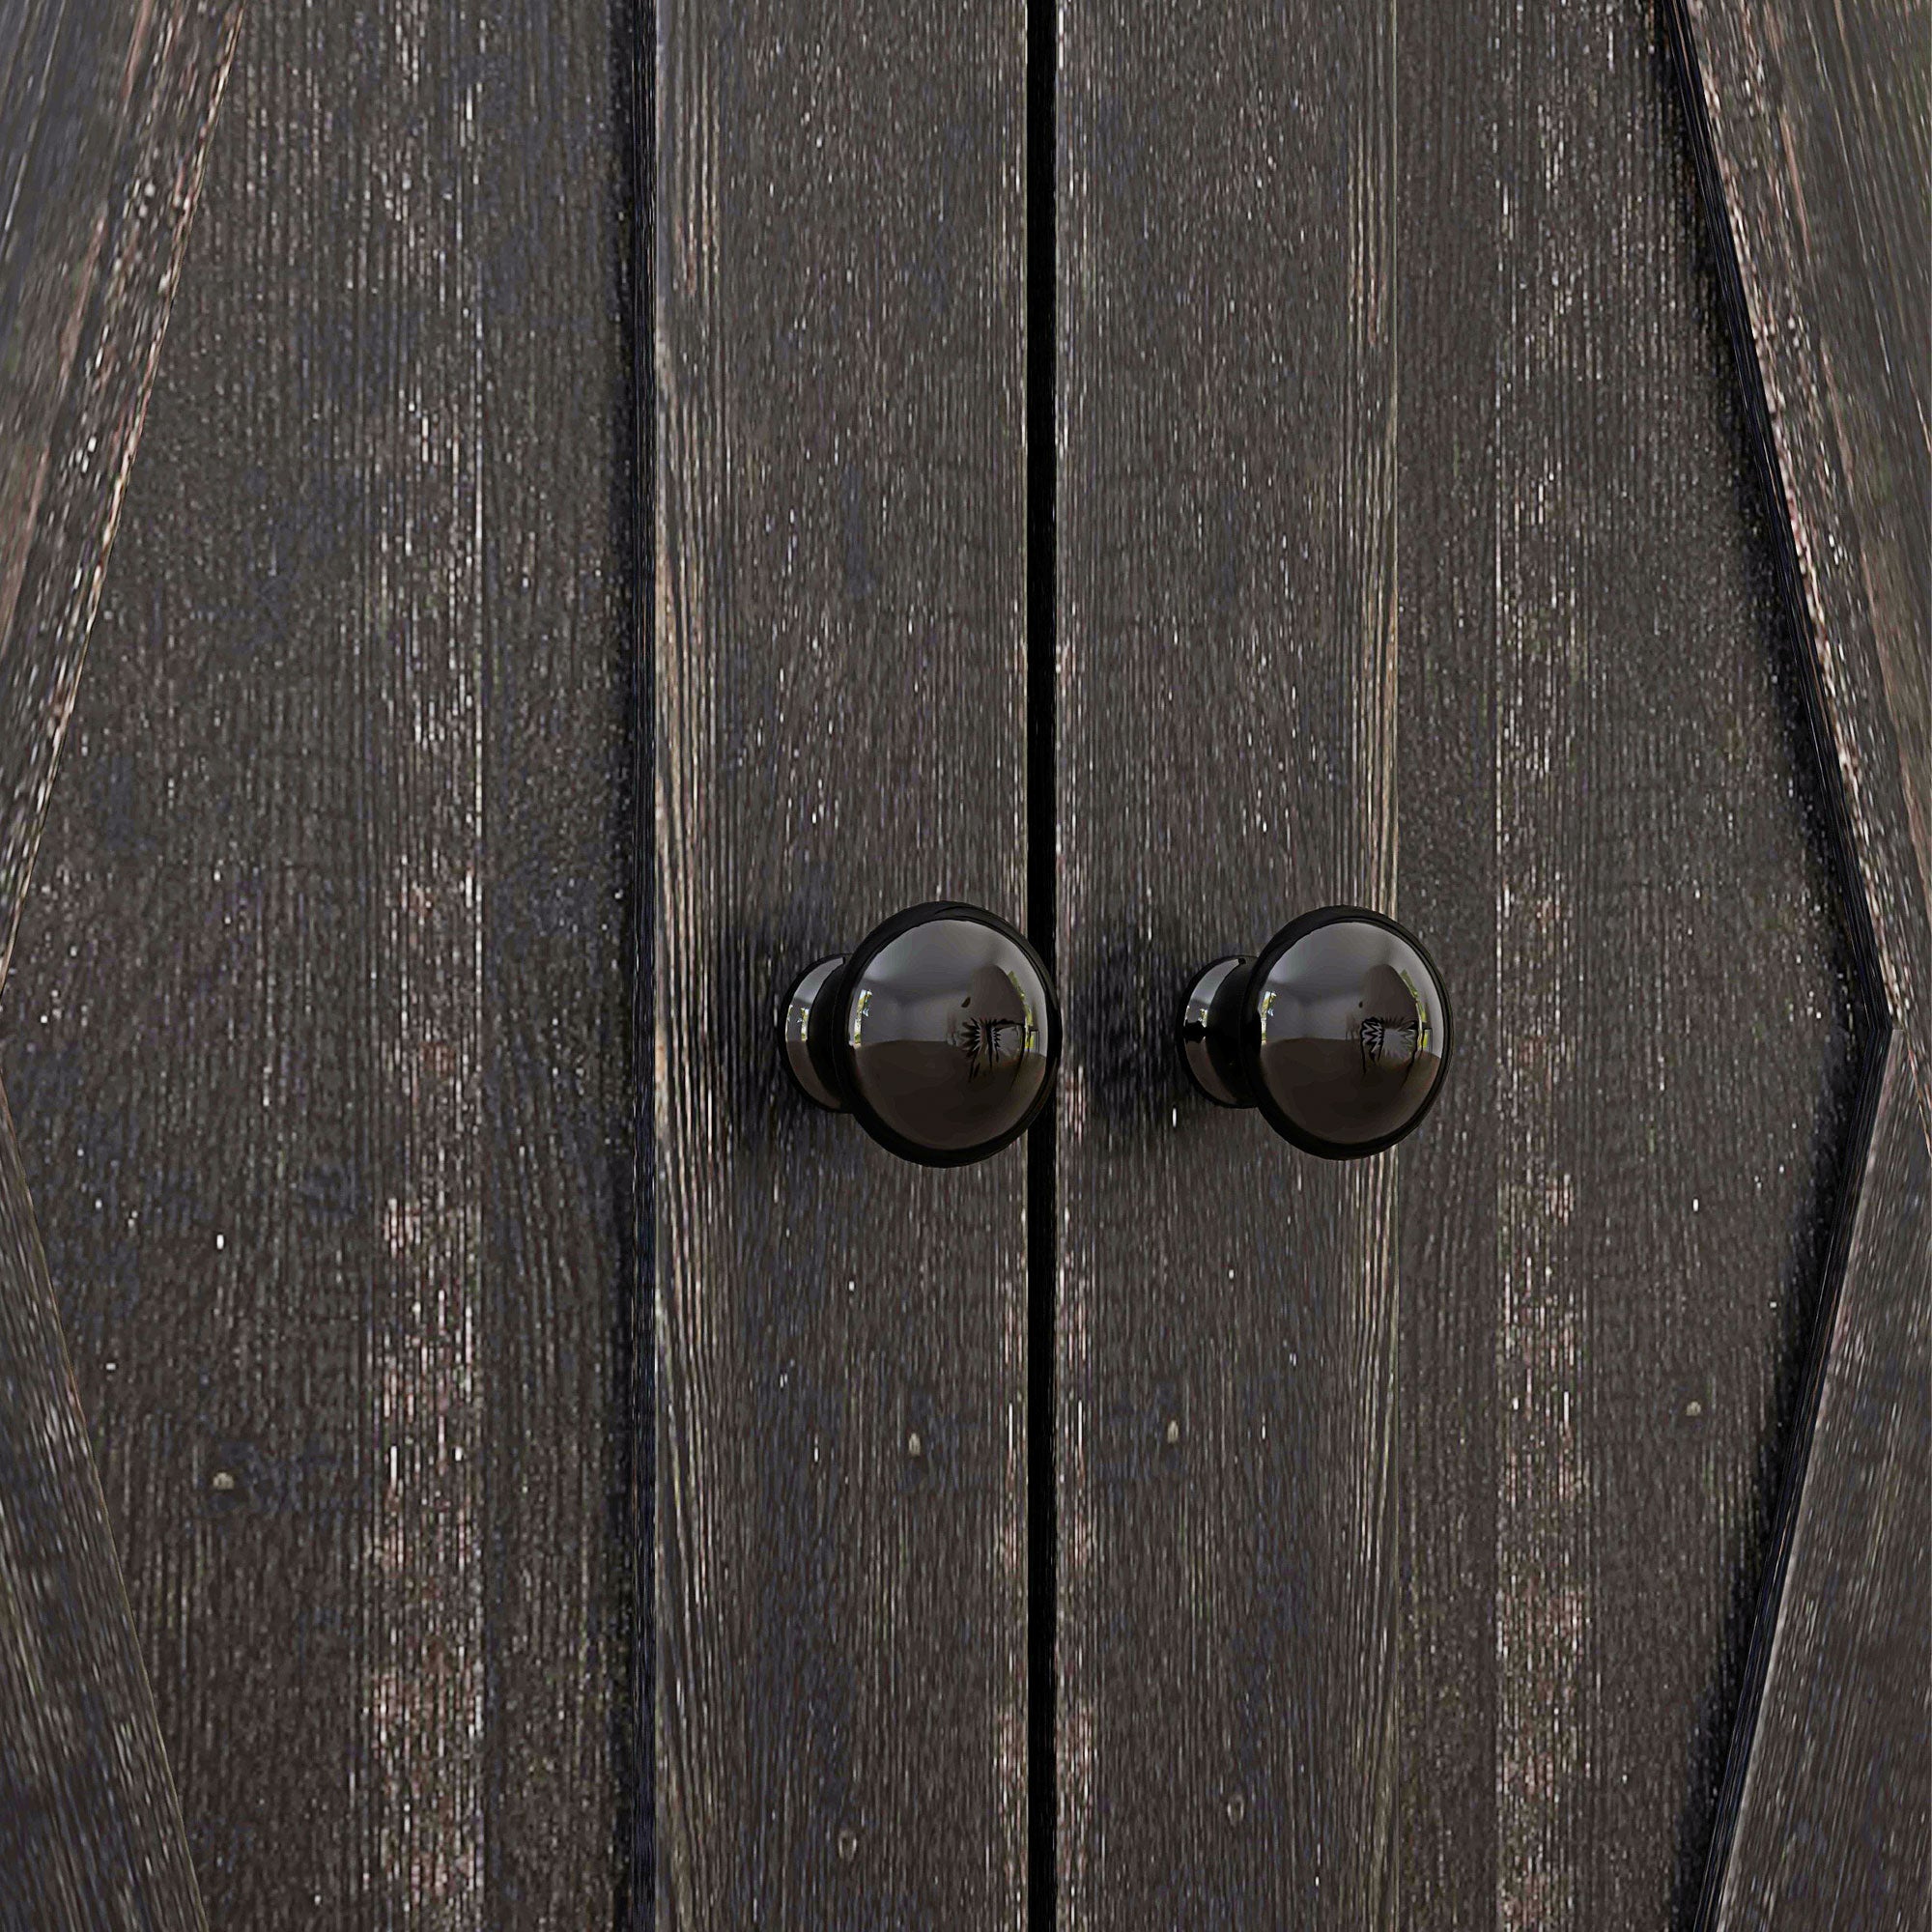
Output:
x=104 y=115
x=91 y=1834
x=103 y=119
x=1813 y=127
x=1412 y=1513
x=840 y=672
x=1833 y=1806
x=324 y=1053
x=1820 y=127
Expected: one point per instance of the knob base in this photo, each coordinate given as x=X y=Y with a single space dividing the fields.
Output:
x=1209 y=1029
x=807 y=1075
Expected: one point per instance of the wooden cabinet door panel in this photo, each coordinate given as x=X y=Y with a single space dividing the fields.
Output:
x=1412 y=555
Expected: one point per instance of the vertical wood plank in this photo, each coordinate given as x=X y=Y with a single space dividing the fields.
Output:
x=562 y=207
x=839 y=697
x=1230 y=691
x=1411 y=1516
x=1455 y=483
x=325 y=1053
x=1663 y=1199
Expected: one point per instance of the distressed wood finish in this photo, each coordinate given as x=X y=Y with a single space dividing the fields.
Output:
x=90 y=1831
x=104 y=118
x=323 y=1054
x=1827 y=1800
x=1411 y=552
x=840 y=683
x=1814 y=130
x=104 y=114
x=1818 y=128
x=1412 y=1513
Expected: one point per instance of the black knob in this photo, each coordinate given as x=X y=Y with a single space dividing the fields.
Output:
x=938 y=1032
x=1338 y=1030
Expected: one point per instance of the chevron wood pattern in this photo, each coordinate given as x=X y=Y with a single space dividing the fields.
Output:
x=1812 y=127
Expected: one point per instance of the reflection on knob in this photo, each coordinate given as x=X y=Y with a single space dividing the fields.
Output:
x=938 y=1033
x=1337 y=1031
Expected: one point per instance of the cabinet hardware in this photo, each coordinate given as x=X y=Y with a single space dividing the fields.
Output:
x=939 y=1033
x=1337 y=1032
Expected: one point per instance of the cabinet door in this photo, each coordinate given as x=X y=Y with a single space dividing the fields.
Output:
x=1413 y=553
x=575 y=575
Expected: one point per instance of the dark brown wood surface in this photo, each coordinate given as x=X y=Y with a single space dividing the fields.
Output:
x=104 y=116
x=1414 y=550
x=1830 y=1825
x=91 y=1833
x=1814 y=124
x=322 y=1050
x=1412 y=1513
x=840 y=681
x=103 y=119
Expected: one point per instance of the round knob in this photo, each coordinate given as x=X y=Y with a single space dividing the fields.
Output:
x=1338 y=1030
x=939 y=1033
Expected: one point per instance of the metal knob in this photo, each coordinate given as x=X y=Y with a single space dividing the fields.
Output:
x=938 y=1033
x=1338 y=1030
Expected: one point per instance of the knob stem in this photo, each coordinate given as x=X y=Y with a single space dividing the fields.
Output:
x=802 y=1053
x=1211 y=1031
